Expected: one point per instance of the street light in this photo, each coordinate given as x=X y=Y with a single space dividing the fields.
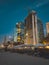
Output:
x=26 y=34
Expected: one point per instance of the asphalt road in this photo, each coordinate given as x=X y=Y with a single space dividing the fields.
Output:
x=7 y=58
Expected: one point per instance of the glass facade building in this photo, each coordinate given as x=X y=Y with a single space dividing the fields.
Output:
x=40 y=30
x=33 y=29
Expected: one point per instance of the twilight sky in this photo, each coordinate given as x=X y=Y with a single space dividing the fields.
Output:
x=12 y=11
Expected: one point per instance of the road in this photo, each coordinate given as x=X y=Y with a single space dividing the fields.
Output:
x=7 y=58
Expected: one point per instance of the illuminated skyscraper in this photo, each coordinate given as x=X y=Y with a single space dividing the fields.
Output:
x=47 y=28
x=20 y=32
x=33 y=29
x=40 y=30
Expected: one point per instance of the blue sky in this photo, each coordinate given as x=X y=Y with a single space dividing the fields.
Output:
x=12 y=11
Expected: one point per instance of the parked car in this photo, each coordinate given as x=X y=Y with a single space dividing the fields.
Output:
x=38 y=51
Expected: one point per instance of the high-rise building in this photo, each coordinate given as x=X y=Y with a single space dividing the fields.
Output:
x=40 y=30
x=47 y=28
x=20 y=32
x=33 y=29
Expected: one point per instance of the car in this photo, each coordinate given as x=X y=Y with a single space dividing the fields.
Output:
x=38 y=51
x=18 y=49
